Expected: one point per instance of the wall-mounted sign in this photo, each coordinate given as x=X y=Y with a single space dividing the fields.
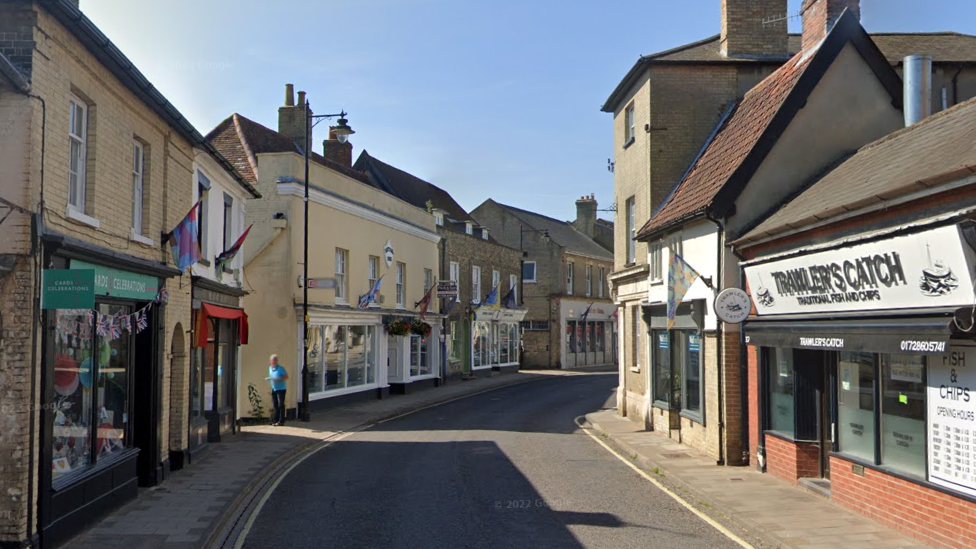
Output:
x=67 y=289
x=927 y=269
x=732 y=305
x=388 y=253
x=951 y=419
x=119 y=283
x=447 y=289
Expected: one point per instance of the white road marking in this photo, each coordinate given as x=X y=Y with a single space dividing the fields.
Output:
x=708 y=520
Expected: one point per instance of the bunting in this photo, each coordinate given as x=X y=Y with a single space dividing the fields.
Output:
x=73 y=332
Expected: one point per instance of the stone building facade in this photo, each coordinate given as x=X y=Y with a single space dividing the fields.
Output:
x=75 y=116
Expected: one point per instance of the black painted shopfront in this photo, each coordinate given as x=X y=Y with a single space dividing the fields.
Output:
x=220 y=327
x=101 y=427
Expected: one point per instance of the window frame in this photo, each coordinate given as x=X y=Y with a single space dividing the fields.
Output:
x=401 y=285
x=496 y=280
x=630 y=124
x=342 y=276
x=475 y=284
x=589 y=280
x=374 y=271
x=138 y=186
x=513 y=286
x=228 y=221
x=535 y=276
x=570 y=277
x=204 y=185
x=601 y=277
x=631 y=211
x=81 y=176
x=656 y=255
x=428 y=280
x=454 y=271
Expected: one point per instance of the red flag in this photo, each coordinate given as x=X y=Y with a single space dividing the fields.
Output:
x=424 y=303
x=229 y=253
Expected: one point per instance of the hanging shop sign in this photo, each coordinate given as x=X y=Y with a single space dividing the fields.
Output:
x=732 y=305
x=119 y=283
x=68 y=289
x=927 y=269
x=447 y=289
x=952 y=419
x=388 y=253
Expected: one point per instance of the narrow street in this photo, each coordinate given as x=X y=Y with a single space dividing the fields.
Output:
x=508 y=468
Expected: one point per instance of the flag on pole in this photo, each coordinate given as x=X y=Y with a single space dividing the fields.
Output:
x=510 y=301
x=680 y=278
x=229 y=253
x=492 y=298
x=184 y=239
x=370 y=296
x=586 y=313
x=424 y=303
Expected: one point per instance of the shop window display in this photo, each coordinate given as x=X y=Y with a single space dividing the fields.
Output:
x=781 y=403
x=855 y=410
x=903 y=413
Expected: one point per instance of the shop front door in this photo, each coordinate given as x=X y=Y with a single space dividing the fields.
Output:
x=814 y=409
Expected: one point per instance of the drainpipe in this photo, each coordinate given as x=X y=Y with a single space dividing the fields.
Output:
x=717 y=283
x=955 y=86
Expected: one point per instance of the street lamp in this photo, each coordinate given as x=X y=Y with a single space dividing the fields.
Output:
x=342 y=133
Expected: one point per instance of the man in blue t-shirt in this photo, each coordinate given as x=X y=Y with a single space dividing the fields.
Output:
x=278 y=377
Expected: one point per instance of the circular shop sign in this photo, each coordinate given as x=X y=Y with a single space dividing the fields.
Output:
x=732 y=305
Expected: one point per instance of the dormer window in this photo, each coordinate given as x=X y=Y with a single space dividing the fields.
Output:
x=439 y=219
x=484 y=233
x=469 y=227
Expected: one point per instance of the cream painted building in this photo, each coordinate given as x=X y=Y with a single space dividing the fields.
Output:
x=358 y=234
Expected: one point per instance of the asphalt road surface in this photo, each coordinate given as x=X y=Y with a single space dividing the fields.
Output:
x=508 y=468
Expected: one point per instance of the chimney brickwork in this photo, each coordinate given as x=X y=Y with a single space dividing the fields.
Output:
x=336 y=151
x=586 y=215
x=754 y=29
x=291 y=117
x=819 y=16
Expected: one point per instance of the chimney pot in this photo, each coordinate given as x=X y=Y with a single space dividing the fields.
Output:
x=301 y=99
x=289 y=95
x=918 y=88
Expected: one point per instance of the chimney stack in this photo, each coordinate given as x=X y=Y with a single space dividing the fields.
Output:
x=586 y=215
x=754 y=29
x=291 y=117
x=918 y=88
x=336 y=151
x=819 y=16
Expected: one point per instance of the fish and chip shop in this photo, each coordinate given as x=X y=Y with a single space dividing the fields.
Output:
x=867 y=371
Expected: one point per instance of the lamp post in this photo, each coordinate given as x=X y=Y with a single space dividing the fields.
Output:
x=342 y=133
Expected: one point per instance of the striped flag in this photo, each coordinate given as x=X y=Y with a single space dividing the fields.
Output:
x=424 y=303
x=680 y=278
x=184 y=239
x=229 y=253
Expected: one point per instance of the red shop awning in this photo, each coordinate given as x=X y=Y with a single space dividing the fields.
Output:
x=203 y=327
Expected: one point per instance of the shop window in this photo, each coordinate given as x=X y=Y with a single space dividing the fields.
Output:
x=590 y=340
x=903 y=413
x=334 y=358
x=419 y=356
x=504 y=344
x=636 y=329
x=480 y=341
x=856 y=405
x=600 y=342
x=571 y=336
x=91 y=392
x=661 y=343
x=691 y=346
x=356 y=356
x=341 y=356
x=494 y=345
x=781 y=383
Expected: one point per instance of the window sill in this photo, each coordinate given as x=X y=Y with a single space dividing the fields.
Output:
x=636 y=370
x=204 y=262
x=81 y=475
x=79 y=217
x=530 y=281
x=693 y=416
x=657 y=282
x=629 y=142
x=136 y=237
x=907 y=477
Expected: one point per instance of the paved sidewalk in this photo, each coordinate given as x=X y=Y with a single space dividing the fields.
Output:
x=205 y=503
x=760 y=508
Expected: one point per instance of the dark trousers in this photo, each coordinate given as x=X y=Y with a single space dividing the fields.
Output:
x=278 y=399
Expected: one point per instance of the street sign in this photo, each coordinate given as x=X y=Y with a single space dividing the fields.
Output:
x=733 y=305
x=447 y=289
x=320 y=283
x=68 y=289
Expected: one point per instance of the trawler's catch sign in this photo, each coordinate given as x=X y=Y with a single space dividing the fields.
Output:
x=928 y=269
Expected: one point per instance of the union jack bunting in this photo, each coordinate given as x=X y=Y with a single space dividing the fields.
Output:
x=102 y=327
x=143 y=321
x=162 y=296
x=125 y=323
x=115 y=327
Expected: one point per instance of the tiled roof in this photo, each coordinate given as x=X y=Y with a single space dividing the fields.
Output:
x=411 y=188
x=940 y=148
x=730 y=146
x=944 y=47
x=561 y=232
x=237 y=135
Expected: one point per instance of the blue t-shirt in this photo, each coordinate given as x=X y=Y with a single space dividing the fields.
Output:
x=277 y=375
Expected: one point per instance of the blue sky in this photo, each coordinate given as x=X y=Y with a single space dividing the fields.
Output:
x=487 y=99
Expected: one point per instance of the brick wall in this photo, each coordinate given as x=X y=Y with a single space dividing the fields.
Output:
x=17 y=404
x=820 y=15
x=791 y=461
x=929 y=515
x=746 y=32
x=755 y=420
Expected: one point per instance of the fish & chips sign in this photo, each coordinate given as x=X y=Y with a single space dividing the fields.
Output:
x=929 y=269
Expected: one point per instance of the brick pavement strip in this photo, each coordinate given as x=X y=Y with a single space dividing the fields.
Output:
x=216 y=492
x=763 y=510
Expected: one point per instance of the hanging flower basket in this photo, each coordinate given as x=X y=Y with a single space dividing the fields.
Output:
x=420 y=328
x=398 y=328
